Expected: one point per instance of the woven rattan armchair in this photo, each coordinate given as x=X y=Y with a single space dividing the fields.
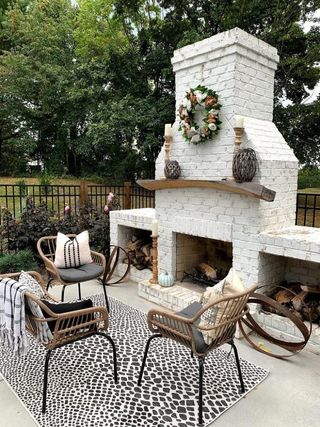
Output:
x=186 y=327
x=57 y=276
x=68 y=328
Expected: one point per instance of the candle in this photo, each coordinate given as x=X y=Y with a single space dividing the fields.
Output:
x=239 y=122
x=168 y=130
x=155 y=224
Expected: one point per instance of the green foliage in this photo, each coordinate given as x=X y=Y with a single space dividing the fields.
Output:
x=309 y=178
x=36 y=222
x=14 y=262
x=87 y=86
x=24 y=233
x=300 y=127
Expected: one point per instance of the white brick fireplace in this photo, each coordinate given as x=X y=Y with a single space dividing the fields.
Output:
x=265 y=244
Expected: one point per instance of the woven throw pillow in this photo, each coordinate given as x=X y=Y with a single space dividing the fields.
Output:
x=72 y=253
x=43 y=332
x=31 y=283
x=229 y=286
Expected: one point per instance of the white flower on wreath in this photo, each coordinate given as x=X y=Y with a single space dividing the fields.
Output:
x=192 y=132
x=214 y=112
x=200 y=96
x=186 y=103
x=212 y=126
x=195 y=138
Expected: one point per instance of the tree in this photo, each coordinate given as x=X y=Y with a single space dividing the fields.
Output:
x=88 y=86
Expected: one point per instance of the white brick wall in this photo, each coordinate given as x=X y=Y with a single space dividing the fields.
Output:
x=266 y=245
x=241 y=69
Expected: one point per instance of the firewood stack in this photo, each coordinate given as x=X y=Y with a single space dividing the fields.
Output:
x=302 y=300
x=139 y=250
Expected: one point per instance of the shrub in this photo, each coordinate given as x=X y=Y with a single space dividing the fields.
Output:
x=13 y=262
x=24 y=233
x=309 y=178
x=36 y=222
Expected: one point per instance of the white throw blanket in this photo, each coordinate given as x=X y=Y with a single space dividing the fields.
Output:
x=12 y=316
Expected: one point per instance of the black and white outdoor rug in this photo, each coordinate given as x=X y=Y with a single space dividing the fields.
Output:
x=81 y=389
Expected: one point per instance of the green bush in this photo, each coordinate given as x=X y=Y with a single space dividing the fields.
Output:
x=309 y=178
x=13 y=262
x=35 y=222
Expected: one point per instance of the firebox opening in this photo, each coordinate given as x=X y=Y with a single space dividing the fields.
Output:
x=202 y=260
x=138 y=245
x=293 y=283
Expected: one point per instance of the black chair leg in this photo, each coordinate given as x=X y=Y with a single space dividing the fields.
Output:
x=238 y=366
x=115 y=370
x=201 y=369
x=62 y=292
x=79 y=290
x=145 y=356
x=45 y=382
x=106 y=296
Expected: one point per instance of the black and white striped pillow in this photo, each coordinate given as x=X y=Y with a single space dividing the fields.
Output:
x=72 y=253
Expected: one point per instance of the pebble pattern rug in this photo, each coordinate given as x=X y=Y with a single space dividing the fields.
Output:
x=81 y=389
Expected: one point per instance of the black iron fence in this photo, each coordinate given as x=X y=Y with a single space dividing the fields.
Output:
x=308 y=209
x=131 y=196
x=56 y=197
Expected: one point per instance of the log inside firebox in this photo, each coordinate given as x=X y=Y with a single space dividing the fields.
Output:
x=139 y=250
x=298 y=298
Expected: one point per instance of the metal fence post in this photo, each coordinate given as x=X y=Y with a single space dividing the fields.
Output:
x=83 y=197
x=127 y=195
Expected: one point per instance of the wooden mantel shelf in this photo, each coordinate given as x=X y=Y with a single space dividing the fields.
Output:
x=250 y=189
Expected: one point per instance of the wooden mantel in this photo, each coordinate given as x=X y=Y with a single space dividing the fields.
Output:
x=250 y=189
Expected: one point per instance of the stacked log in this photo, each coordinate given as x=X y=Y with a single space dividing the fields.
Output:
x=302 y=300
x=139 y=250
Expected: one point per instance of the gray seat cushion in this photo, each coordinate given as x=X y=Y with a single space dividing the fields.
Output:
x=189 y=312
x=81 y=274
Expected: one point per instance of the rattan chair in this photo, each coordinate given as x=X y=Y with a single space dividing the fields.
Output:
x=186 y=327
x=68 y=328
x=67 y=276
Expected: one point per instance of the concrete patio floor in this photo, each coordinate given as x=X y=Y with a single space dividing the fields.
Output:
x=290 y=396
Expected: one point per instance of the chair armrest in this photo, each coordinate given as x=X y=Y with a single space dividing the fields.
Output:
x=72 y=321
x=168 y=323
x=99 y=259
x=52 y=269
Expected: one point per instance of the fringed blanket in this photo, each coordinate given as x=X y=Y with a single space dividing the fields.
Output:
x=12 y=316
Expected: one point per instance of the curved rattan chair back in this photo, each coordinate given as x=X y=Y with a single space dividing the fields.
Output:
x=212 y=325
x=47 y=246
x=68 y=327
x=230 y=311
x=218 y=320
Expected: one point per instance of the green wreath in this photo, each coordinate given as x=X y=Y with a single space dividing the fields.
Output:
x=199 y=99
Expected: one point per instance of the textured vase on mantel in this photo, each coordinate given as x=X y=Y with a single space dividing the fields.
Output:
x=245 y=165
x=172 y=169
